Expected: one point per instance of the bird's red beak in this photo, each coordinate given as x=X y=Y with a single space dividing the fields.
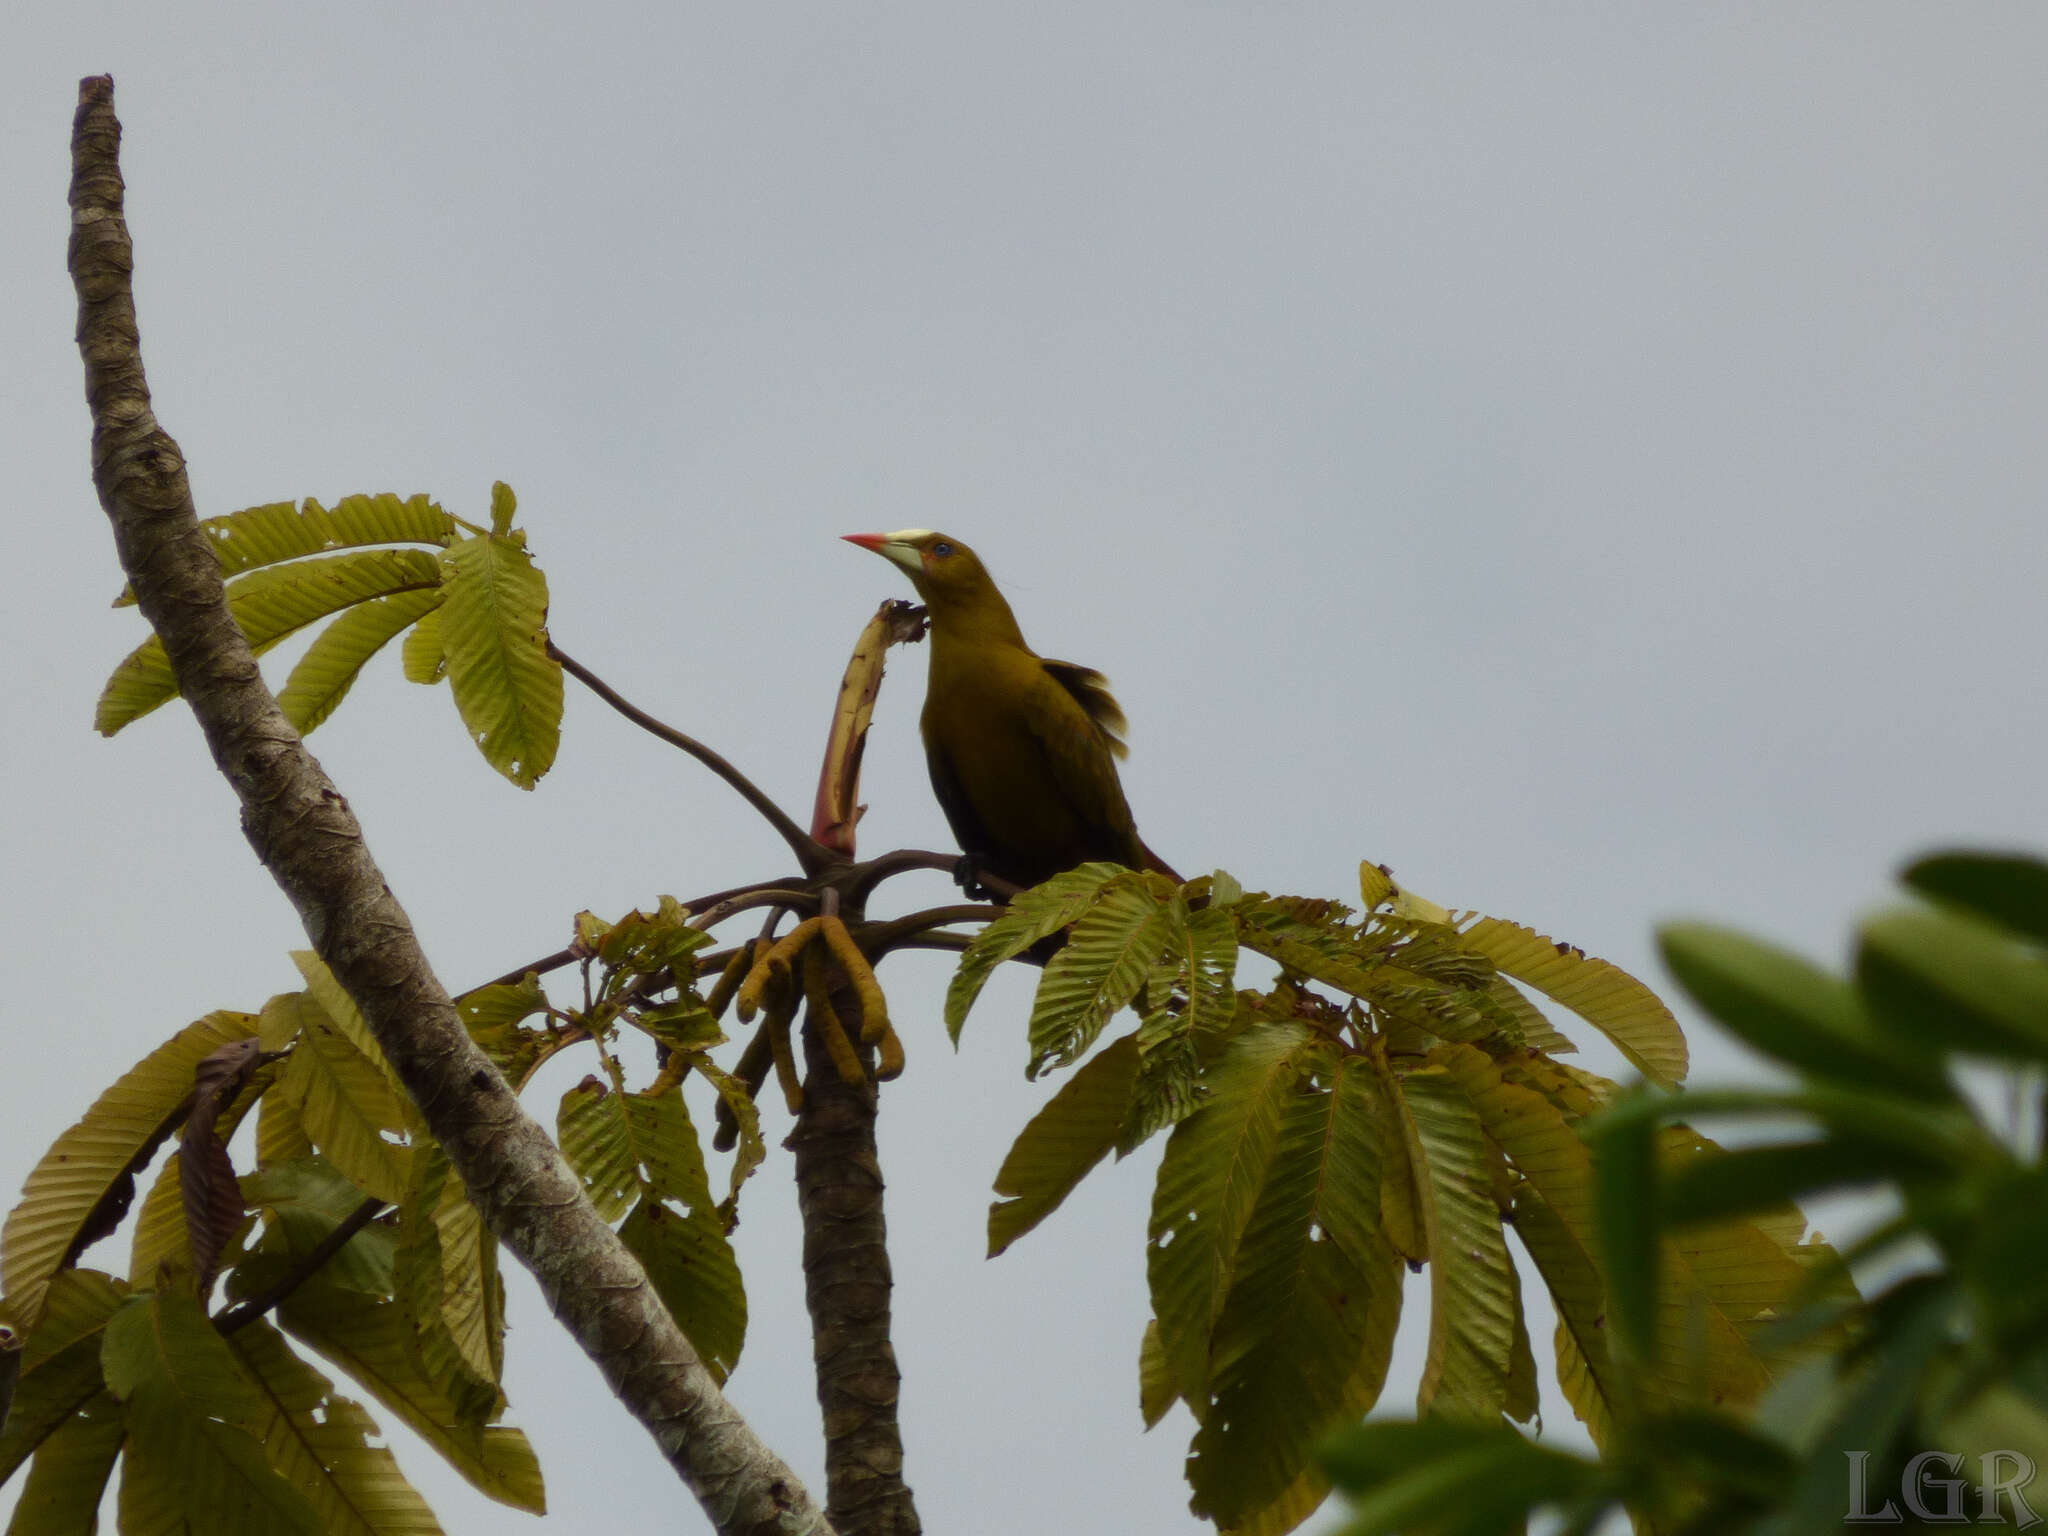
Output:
x=871 y=542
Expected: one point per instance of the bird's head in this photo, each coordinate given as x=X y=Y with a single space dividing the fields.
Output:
x=947 y=574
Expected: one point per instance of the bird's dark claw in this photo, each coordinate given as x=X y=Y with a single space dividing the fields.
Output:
x=967 y=875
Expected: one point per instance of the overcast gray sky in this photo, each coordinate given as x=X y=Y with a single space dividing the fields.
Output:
x=1588 y=457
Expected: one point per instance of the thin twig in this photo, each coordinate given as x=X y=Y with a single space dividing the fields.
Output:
x=772 y=896
x=809 y=852
x=571 y=955
x=255 y=1306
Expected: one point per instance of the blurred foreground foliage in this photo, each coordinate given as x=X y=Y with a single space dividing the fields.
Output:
x=1920 y=1076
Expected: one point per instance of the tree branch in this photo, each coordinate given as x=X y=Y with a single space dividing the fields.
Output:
x=308 y=1266
x=847 y=1284
x=809 y=853
x=306 y=835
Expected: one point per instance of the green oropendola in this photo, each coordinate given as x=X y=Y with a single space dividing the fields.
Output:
x=1022 y=749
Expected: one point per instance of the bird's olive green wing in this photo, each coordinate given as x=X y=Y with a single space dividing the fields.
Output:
x=1079 y=733
x=1090 y=690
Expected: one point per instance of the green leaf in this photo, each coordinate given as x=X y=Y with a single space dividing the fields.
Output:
x=80 y=1189
x=1940 y=976
x=1073 y=1132
x=303 y=1201
x=319 y=1441
x=1793 y=1011
x=2009 y=889
x=370 y=1340
x=328 y=670
x=643 y=1145
x=591 y=1128
x=1604 y=995
x=1033 y=915
x=751 y=1151
x=422 y=655
x=1303 y=1337
x=68 y=1478
x=503 y=506
x=1216 y=1164
x=1472 y=1287
x=1452 y=1479
x=1628 y=1215
x=494 y=626
x=1764 y=1178
x=347 y=1107
x=270 y=606
x=60 y=1364
x=340 y=1010
x=265 y=535
x=447 y=1276
x=1112 y=949
x=195 y=1459
x=691 y=1266
x=1155 y=1382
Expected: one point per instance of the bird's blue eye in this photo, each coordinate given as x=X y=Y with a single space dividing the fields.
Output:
x=942 y=548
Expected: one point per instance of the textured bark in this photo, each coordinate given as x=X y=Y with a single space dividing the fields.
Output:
x=307 y=837
x=847 y=1284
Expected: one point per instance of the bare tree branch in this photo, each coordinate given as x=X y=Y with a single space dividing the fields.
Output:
x=809 y=852
x=307 y=837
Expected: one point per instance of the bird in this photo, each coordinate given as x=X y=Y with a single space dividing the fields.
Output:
x=1022 y=749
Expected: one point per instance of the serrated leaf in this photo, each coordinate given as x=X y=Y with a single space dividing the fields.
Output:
x=332 y=1000
x=1216 y=1165
x=327 y=671
x=691 y=1266
x=1073 y=1132
x=447 y=1277
x=492 y=1015
x=270 y=606
x=1303 y=1337
x=1473 y=1309
x=348 y=1109
x=423 y=657
x=319 y=1441
x=1301 y=1498
x=590 y=1125
x=68 y=1478
x=1032 y=915
x=80 y=1188
x=1717 y=1285
x=60 y=1363
x=194 y=1459
x=1111 y=950
x=751 y=1151
x=494 y=628
x=1156 y=1394
x=369 y=1340
x=259 y=536
x=1602 y=994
